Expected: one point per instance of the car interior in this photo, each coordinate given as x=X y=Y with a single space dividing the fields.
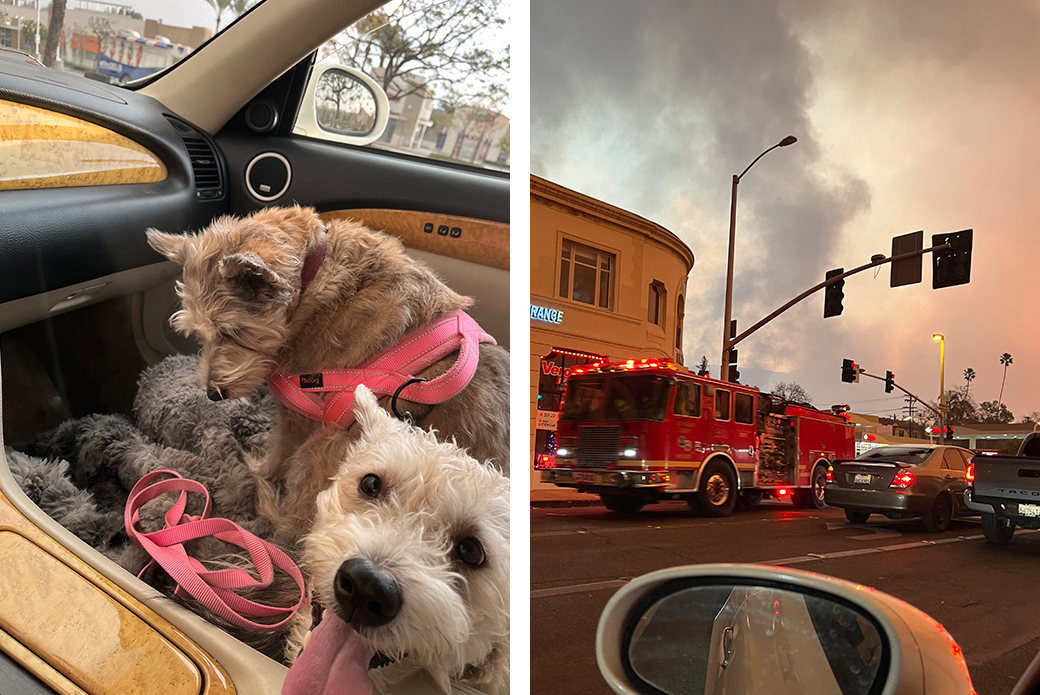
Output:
x=85 y=303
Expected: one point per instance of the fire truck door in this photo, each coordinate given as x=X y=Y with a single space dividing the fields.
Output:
x=687 y=437
x=743 y=432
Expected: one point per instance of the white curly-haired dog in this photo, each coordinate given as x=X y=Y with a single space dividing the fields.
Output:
x=408 y=565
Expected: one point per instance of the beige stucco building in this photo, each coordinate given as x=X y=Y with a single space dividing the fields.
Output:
x=605 y=283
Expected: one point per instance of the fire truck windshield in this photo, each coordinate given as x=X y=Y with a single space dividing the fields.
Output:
x=637 y=397
x=617 y=397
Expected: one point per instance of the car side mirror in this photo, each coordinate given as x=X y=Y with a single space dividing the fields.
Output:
x=342 y=104
x=746 y=629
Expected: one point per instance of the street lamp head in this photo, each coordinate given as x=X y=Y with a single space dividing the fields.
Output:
x=937 y=336
x=789 y=140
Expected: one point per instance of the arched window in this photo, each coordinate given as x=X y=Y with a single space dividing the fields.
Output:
x=680 y=314
x=655 y=304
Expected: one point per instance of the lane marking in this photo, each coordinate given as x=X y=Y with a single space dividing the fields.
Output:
x=643 y=527
x=796 y=560
x=579 y=588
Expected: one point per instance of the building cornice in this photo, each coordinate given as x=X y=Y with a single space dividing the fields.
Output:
x=556 y=196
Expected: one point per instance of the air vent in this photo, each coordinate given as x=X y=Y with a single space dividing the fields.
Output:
x=206 y=169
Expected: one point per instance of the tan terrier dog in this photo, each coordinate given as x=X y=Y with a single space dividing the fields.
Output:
x=278 y=290
x=408 y=567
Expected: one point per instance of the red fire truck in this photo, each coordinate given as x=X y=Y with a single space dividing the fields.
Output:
x=640 y=431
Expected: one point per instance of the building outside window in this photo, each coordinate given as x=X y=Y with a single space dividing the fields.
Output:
x=587 y=275
x=591 y=266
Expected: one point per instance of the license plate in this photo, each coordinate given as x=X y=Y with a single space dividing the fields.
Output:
x=585 y=477
x=1029 y=509
x=861 y=479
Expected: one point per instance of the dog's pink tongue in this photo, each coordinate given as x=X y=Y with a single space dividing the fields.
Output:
x=335 y=661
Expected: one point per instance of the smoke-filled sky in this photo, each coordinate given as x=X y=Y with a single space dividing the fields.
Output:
x=909 y=115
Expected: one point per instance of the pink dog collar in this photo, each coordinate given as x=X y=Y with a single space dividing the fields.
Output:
x=389 y=372
x=214 y=589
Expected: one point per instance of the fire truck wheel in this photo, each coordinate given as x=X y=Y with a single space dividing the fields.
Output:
x=938 y=520
x=622 y=504
x=718 y=495
x=812 y=497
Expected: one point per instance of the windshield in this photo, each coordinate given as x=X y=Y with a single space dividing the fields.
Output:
x=584 y=399
x=902 y=454
x=642 y=397
x=119 y=43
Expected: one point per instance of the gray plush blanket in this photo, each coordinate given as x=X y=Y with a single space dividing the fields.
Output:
x=81 y=472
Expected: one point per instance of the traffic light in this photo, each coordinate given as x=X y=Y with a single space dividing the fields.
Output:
x=734 y=375
x=948 y=432
x=849 y=372
x=833 y=295
x=890 y=379
x=951 y=266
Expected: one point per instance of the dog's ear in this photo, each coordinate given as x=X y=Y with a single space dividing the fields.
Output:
x=250 y=273
x=173 y=246
x=367 y=410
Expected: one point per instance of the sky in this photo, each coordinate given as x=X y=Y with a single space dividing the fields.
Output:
x=909 y=116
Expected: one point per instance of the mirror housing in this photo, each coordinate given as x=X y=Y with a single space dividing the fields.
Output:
x=919 y=649
x=308 y=122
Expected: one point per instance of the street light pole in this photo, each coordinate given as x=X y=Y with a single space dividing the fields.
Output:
x=942 y=383
x=724 y=369
x=38 y=55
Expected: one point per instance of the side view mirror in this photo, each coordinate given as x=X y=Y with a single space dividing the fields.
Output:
x=342 y=104
x=729 y=629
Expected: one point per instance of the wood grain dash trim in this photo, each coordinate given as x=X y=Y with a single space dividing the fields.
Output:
x=78 y=624
x=477 y=241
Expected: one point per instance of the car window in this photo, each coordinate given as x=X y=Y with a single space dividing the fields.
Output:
x=443 y=66
x=953 y=460
x=902 y=454
x=117 y=44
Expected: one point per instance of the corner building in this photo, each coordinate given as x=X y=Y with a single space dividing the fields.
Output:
x=605 y=284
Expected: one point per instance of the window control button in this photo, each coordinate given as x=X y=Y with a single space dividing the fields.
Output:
x=456 y=232
x=442 y=230
x=428 y=228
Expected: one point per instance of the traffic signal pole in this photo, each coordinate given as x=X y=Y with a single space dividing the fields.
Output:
x=874 y=262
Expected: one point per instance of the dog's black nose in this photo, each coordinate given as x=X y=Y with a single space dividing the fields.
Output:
x=216 y=394
x=369 y=596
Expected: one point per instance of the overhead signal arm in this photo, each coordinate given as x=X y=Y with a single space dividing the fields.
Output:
x=874 y=262
x=912 y=395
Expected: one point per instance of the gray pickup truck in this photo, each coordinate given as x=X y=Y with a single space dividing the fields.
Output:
x=1006 y=490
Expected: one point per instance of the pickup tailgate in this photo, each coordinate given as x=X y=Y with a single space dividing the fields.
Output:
x=1008 y=477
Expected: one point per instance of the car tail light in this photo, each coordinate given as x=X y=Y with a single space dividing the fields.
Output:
x=969 y=473
x=903 y=480
x=781 y=492
x=830 y=474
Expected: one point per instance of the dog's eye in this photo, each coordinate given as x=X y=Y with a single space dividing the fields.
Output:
x=370 y=485
x=471 y=552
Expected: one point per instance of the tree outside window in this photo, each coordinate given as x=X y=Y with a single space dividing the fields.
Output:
x=587 y=275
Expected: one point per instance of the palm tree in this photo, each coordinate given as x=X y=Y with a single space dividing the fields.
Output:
x=969 y=375
x=1005 y=360
x=237 y=7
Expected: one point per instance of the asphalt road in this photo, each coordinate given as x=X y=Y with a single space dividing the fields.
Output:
x=987 y=597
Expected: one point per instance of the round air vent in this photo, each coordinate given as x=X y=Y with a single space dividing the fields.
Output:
x=268 y=176
x=261 y=116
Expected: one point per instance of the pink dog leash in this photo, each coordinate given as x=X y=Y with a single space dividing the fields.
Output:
x=389 y=373
x=212 y=588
